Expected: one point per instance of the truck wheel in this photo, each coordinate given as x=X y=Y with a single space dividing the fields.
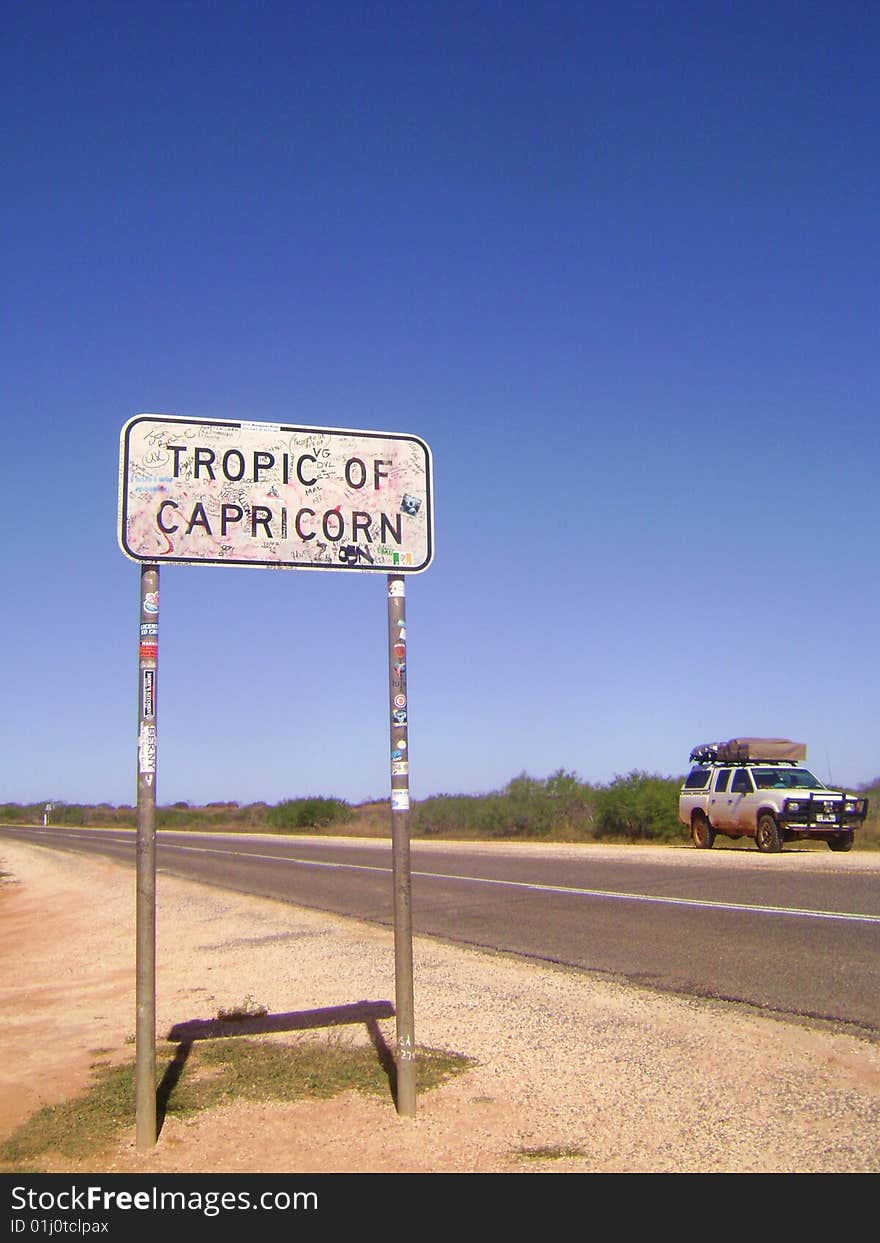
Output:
x=844 y=841
x=702 y=833
x=767 y=836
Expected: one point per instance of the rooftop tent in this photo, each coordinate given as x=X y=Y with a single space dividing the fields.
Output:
x=737 y=750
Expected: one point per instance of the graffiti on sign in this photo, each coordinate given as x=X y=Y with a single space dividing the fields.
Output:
x=196 y=491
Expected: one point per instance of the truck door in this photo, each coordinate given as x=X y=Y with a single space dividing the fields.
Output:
x=719 y=809
x=742 y=803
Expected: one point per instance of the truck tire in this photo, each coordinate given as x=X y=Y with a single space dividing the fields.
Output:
x=767 y=836
x=702 y=833
x=844 y=841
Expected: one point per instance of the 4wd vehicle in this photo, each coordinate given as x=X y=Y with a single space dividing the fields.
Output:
x=755 y=787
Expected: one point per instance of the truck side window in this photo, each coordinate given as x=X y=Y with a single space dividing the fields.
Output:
x=721 y=780
x=742 y=782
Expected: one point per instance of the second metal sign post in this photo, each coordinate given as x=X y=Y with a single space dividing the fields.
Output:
x=403 y=956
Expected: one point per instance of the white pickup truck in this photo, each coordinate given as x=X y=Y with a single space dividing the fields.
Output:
x=756 y=787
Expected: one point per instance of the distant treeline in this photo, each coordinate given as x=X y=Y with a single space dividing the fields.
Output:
x=287 y=816
x=639 y=806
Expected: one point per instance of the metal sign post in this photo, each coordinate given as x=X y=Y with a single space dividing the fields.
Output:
x=145 y=1035
x=403 y=952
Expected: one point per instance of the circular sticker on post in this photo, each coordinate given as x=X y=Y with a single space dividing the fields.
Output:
x=400 y=701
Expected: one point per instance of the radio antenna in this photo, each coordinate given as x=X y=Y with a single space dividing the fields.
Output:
x=828 y=767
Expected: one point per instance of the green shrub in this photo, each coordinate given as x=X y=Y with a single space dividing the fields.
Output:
x=526 y=807
x=15 y=813
x=178 y=816
x=516 y=811
x=444 y=815
x=638 y=806
x=307 y=813
x=869 y=834
x=70 y=813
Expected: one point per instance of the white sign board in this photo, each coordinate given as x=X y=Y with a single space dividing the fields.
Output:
x=200 y=491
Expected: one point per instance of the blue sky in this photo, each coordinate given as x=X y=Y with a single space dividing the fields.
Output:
x=616 y=264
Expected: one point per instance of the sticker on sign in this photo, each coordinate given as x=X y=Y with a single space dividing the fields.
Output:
x=200 y=491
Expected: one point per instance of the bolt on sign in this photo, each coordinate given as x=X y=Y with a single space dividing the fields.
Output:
x=204 y=491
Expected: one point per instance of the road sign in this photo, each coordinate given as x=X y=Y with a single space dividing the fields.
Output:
x=204 y=491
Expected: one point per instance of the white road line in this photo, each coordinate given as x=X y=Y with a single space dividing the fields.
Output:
x=569 y=890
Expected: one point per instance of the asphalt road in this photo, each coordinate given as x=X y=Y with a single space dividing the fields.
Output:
x=797 y=933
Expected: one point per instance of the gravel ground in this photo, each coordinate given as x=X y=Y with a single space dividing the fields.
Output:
x=573 y=1073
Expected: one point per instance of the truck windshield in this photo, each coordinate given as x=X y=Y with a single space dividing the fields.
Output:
x=786 y=779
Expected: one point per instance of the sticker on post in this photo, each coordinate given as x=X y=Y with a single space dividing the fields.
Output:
x=400 y=800
x=395 y=588
x=399 y=768
x=148 y=704
x=147 y=749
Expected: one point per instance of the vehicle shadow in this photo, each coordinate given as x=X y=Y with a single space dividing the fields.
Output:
x=186 y=1034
